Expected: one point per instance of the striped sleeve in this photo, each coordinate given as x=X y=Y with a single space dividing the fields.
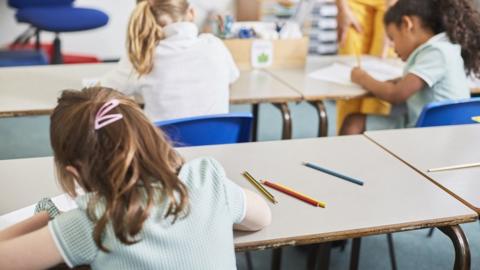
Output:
x=72 y=232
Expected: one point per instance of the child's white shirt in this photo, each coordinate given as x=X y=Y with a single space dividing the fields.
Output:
x=190 y=77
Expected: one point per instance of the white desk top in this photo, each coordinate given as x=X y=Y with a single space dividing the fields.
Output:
x=258 y=86
x=34 y=90
x=394 y=197
x=313 y=89
x=428 y=148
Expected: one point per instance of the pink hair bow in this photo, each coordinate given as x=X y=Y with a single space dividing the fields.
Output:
x=103 y=119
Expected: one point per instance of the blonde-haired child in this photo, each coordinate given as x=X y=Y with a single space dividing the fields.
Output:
x=178 y=72
x=144 y=207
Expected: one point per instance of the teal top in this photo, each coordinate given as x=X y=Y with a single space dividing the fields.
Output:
x=439 y=64
x=201 y=240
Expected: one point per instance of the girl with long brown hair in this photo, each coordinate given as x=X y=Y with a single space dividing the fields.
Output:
x=178 y=72
x=440 y=43
x=143 y=207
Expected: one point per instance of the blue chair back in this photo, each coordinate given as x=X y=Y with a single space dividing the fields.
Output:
x=19 y=4
x=209 y=129
x=449 y=113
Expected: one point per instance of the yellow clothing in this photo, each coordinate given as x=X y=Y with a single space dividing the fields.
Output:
x=371 y=40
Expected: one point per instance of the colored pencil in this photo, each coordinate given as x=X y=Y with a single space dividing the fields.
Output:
x=294 y=193
x=357 y=55
x=259 y=187
x=463 y=166
x=327 y=171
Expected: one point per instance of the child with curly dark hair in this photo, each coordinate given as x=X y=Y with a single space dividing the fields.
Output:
x=440 y=43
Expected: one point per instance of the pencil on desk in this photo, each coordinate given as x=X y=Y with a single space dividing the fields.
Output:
x=456 y=167
x=294 y=193
x=259 y=187
x=327 y=171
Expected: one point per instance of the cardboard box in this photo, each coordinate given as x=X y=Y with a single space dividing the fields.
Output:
x=287 y=53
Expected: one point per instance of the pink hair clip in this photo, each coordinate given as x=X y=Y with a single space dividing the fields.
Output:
x=103 y=119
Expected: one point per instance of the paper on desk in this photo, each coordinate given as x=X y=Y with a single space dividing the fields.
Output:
x=63 y=202
x=340 y=72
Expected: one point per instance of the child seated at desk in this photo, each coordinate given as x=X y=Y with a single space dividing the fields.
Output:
x=177 y=72
x=144 y=207
x=439 y=40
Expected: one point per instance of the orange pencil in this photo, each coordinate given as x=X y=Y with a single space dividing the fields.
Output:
x=294 y=193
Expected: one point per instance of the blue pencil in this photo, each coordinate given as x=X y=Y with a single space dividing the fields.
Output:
x=327 y=171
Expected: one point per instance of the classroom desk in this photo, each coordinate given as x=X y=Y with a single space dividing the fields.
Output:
x=316 y=91
x=427 y=148
x=408 y=201
x=34 y=90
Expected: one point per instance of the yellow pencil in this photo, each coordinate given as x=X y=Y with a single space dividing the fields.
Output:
x=357 y=54
x=259 y=187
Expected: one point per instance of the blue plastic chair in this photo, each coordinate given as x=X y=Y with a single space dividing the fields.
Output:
x=56 y=16
x=449 y=112
x=209 y=129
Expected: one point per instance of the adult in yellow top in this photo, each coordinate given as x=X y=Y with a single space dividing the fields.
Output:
x=361 y=30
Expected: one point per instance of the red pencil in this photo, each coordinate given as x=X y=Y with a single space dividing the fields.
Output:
x=294 y=193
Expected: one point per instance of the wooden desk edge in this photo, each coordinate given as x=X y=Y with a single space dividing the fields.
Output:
x=328 y=237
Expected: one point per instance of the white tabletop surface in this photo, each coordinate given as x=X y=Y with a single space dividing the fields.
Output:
x=314 y=89
x=394 y=196
x=34 y=90
x=428 y=148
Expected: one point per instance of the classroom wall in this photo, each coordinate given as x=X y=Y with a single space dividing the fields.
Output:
x=107 y=42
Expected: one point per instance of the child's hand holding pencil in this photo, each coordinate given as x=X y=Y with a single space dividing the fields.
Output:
x=358 y=74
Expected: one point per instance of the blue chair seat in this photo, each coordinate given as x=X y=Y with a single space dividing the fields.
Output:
x=450 y=112
x=22 y=58
x=62 y=19
x=208 y=129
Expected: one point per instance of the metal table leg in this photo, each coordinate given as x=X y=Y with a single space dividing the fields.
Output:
x=355 y=254
x=276 y=258
x=325 y=249
x=460 y=243
x=255 y=110
x=287 y=120
x=322 y=118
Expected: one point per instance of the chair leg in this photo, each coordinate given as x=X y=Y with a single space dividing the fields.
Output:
x=57 y=51
x=37 y=39
x=391 y=250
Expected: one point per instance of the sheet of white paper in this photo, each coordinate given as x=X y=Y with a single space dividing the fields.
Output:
x=63 y=202
x=340 y=72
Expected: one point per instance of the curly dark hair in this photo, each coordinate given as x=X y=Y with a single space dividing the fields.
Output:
x=458 y=18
